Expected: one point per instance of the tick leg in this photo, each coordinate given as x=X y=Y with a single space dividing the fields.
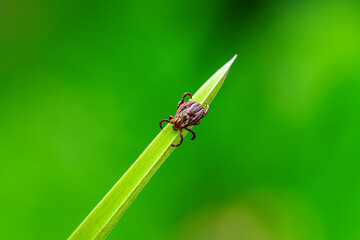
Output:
x=183 y=98
x=181 y=139
x=207 y=109
x=164 y=120
x=171 y=117
x=193 y=133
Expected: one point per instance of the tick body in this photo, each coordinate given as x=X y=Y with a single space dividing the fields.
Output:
x=188 y=114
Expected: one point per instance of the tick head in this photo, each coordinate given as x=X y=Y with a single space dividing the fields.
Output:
x=180 y=121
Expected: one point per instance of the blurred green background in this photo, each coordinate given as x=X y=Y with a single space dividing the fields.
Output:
x=83 y=85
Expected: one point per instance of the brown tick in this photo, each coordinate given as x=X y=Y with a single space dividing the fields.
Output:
x=187 y=114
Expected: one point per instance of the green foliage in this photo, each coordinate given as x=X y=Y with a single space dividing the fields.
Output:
x=105 y=215
x=79 y=104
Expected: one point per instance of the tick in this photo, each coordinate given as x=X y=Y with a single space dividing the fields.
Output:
x=188 y=114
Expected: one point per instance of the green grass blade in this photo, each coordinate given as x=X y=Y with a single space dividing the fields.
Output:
x=105 y=215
